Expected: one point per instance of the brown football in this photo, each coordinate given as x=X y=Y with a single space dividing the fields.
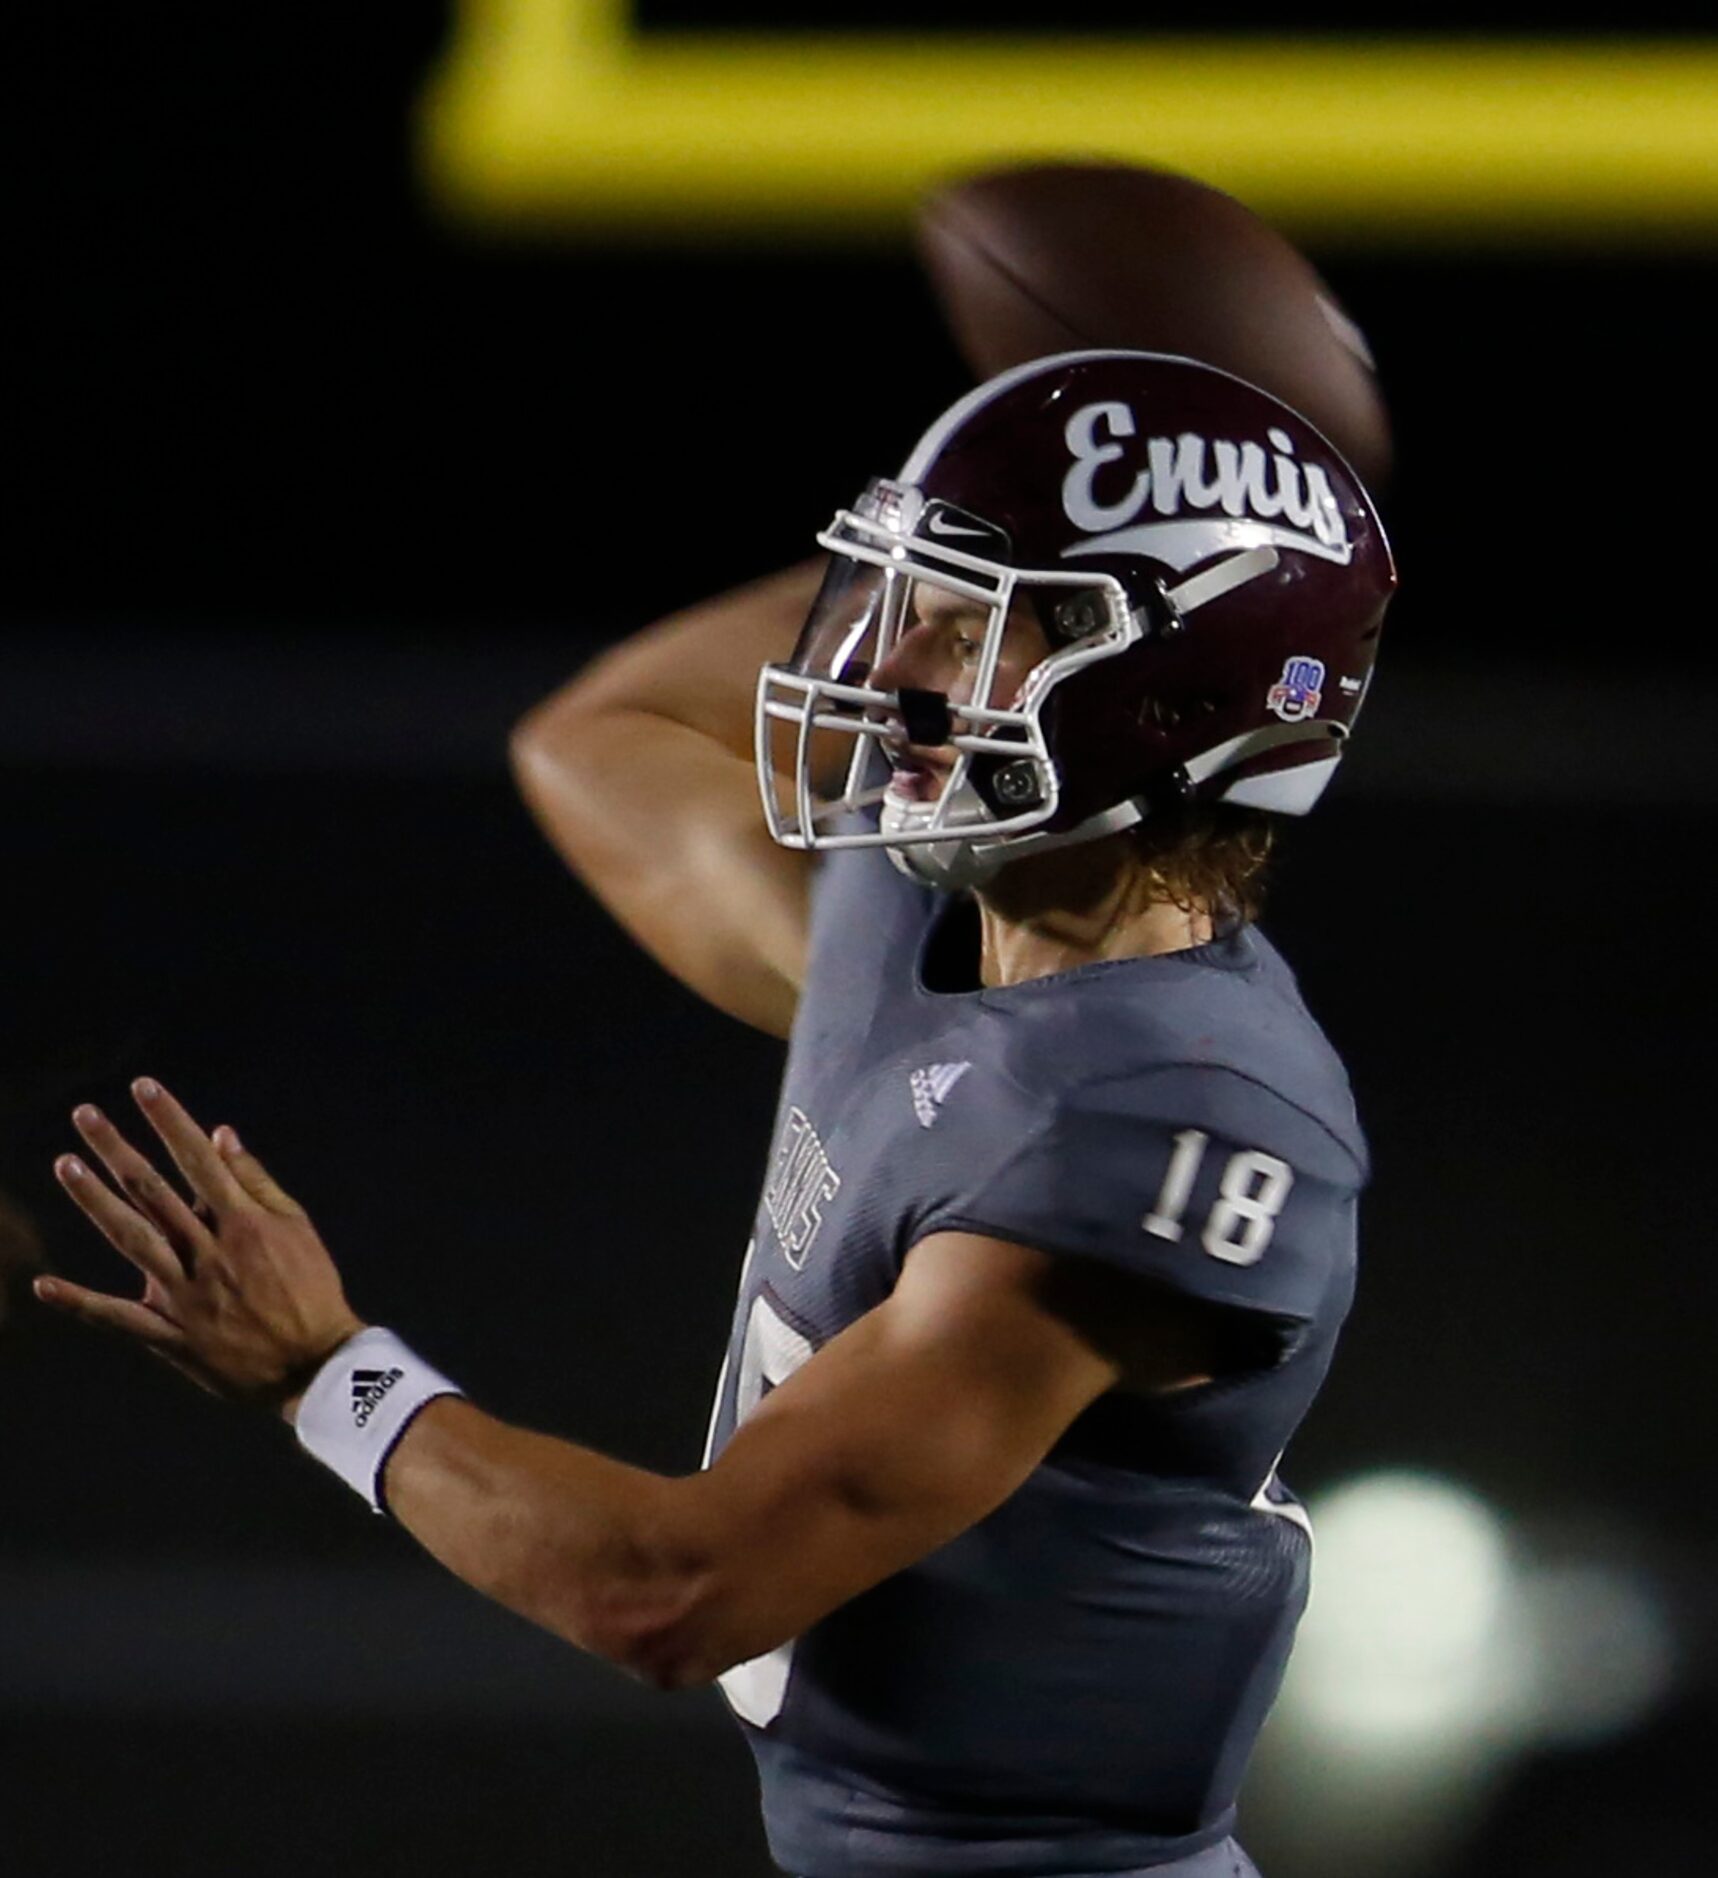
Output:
x=1053 y=257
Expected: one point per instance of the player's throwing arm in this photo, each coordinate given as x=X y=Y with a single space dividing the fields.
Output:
x=641 y=772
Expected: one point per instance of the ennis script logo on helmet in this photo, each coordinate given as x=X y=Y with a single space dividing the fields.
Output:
x=1190 y=473
x=1178 y=536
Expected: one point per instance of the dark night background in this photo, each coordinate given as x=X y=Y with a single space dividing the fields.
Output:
x=308 y=497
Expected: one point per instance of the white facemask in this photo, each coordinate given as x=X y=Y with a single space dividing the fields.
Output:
x=949 y=866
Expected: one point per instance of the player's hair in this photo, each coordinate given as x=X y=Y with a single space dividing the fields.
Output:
x=1207 y=857
x=1211 y=855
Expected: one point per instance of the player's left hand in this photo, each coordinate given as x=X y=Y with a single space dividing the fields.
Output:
x=238 y=1289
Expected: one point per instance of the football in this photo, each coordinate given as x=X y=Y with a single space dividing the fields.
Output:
x=1054 y=257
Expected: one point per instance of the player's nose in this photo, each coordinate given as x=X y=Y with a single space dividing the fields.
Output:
x=911 y=662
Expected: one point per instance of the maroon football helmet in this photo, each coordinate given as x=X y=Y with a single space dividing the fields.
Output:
x=1209 y=577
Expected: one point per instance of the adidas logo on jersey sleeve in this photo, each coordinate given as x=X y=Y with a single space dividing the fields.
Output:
x=930 y=1087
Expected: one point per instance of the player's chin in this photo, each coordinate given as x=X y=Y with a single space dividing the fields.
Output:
x=916 y=783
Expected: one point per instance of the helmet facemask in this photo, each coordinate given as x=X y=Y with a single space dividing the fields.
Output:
x=832 y=744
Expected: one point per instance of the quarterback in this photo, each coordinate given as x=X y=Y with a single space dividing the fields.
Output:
x=1057 y=1230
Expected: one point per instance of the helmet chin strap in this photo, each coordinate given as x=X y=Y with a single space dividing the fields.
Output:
x=956 y=866
x=949 y=866
x=969 y=861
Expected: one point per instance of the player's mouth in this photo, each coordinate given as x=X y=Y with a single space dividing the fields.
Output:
x=916 y=775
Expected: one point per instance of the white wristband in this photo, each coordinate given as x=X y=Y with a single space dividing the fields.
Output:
x=358 y=1406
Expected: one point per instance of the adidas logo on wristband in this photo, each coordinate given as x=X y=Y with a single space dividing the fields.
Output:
x=351 y=1418
x=368 y=1388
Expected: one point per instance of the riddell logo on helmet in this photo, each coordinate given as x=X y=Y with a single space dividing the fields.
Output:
x=1258 y=496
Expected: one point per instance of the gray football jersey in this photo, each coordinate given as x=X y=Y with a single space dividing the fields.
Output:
x=1075 y=1683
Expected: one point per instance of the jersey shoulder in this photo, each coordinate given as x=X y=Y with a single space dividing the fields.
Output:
x=1183 y=1118
x=1223 y=1026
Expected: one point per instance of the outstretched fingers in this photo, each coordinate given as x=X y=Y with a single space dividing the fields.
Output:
x=250 y=1173
x=150 y=1192
x=122 y=1226
x=206 y=1174
x=126 y=1315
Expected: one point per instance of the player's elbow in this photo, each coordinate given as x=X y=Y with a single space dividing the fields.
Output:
x=560 y=776
x=652 y=1609
x=669 y=1645
x=685 y=1623
x=552 y=733
x=537 y=743
x=665 y=1664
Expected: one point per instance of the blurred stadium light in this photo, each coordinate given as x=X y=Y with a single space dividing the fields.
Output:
x=1415 y=1644
x=559 y=112
x=1437 y=1646
x=1603 y=1651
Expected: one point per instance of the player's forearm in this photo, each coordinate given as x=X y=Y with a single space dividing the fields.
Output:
x=663 y=827
x=677 y=1580
x=672 y=1580
x=641 y=774
x=583 y=1545
x=697 y=668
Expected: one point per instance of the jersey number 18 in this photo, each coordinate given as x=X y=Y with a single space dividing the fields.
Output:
x=1249 y=1197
